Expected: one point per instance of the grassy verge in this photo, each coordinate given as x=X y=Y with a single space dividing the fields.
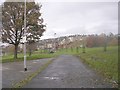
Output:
x=29 y=78
x=35 y=55
x=105 y=63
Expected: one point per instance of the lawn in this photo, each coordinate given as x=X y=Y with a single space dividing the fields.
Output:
x=35 y=55
x=105 y=63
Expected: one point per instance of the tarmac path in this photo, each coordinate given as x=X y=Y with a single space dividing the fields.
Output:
x=13 y=72
x=68 y=71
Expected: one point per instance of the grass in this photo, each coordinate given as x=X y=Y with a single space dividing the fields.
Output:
x=105 y=63
x=68 y=51
x=35 y=55
x=29 y=78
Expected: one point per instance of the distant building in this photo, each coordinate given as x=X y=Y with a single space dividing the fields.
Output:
x=61 y=42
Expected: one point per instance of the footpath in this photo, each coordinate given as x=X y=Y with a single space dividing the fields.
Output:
x=68 y=71
x=14 y=76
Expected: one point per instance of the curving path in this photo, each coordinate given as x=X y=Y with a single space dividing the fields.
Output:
x=67 y=71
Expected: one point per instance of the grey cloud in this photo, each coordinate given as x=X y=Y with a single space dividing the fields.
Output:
x=81 y=18
x=66 y=18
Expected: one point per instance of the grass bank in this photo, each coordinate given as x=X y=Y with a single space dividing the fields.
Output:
x=105 y=63
x=23 y=82
x=35 y=55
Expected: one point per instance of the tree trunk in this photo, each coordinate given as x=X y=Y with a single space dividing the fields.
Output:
x=71 y=49
x=30 y=51
x=105 y=45
x=83 y=49
x=105 y=48
x=77 y=49
x=15 y=52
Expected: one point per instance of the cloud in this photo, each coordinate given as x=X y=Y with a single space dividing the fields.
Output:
x=66 y=18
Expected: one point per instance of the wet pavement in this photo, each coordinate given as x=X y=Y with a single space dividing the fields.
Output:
x=13 y=72
x=68 y=71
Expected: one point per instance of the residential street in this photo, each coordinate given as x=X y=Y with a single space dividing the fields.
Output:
x=68 y=71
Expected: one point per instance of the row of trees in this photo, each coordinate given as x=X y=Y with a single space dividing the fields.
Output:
x=101 y=40
x=13 y=23
x=92 y=40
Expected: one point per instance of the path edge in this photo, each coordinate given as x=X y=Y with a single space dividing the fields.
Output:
x=23 y=82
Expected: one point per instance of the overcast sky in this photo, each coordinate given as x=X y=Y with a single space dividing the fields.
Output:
x=68 y=18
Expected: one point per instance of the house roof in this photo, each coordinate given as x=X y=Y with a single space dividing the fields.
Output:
x=4 y=44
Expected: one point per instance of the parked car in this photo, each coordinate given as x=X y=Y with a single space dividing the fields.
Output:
x=51 y=51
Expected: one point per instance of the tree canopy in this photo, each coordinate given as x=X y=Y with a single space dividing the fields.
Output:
x=13 y=22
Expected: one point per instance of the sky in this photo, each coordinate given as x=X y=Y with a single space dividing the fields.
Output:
x=69 y=18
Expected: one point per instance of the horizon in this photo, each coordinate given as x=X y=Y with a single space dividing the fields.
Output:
x=66 y=18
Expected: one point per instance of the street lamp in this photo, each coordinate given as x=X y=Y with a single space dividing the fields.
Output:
x=55 y=41
x=83 y=46
x=25 y=67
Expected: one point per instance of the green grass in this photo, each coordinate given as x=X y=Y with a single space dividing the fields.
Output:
x=21 y=83
x=35 y=55
x=68 y=51
x=105 y=63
